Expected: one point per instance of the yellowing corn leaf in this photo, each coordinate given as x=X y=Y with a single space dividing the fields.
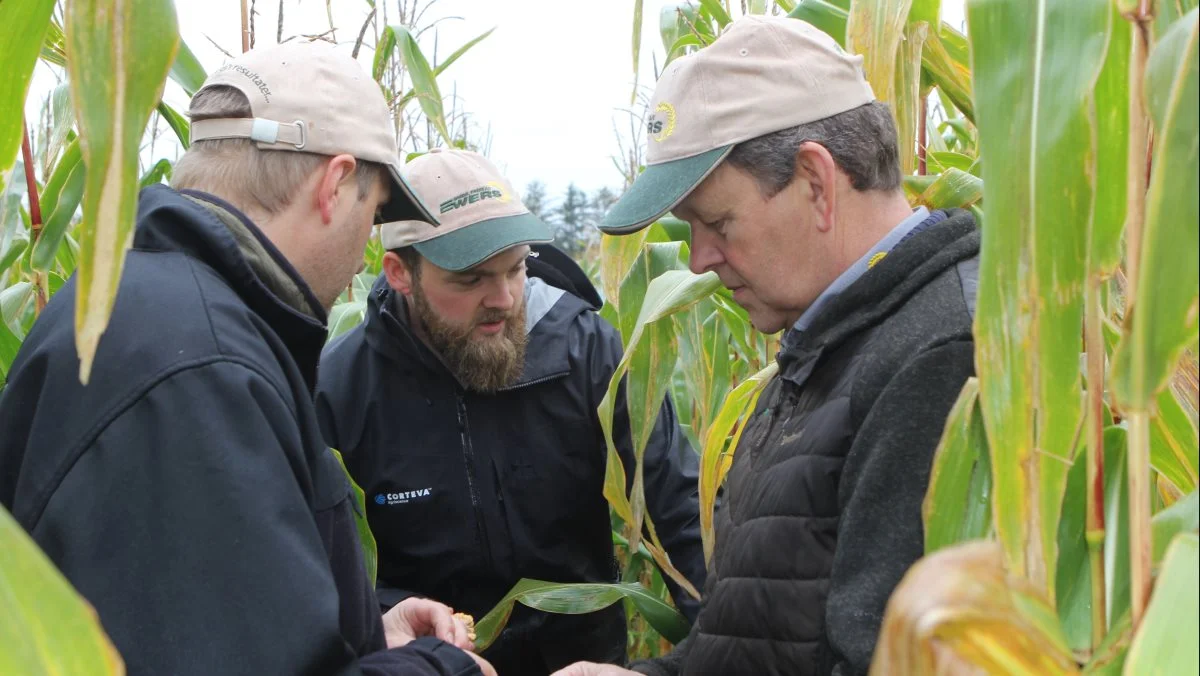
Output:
x=1034 y=67
x=874 y=30
x=46 y=627
x=120 y=54
x=716 y=456
x=907 y=104
x=959 y=611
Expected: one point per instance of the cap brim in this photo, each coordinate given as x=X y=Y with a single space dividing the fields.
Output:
x=658 y=189
x=471 y=245
x=404 y=205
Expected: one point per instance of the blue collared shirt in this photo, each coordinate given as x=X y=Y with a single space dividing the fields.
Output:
x=852 y=273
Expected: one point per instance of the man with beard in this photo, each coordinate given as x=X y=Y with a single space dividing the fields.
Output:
x=465 y=406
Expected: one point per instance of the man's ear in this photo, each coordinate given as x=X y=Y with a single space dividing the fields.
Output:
x=816 y=166
x=399 y=277
x=332 y=184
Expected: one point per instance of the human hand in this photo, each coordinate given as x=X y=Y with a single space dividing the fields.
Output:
x=593 y=669
x=484 y=666
x=414 y=617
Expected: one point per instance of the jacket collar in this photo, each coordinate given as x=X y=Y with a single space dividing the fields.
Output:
x=168 y=220
x=909 y=267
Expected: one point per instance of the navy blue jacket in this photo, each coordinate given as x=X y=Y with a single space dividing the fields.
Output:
x=468 y=492
x=186 y=492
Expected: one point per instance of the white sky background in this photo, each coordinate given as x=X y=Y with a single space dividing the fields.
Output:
x=547 y=86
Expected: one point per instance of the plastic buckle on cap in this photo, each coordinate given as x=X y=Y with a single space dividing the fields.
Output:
x=303 y=134
x=264 y=131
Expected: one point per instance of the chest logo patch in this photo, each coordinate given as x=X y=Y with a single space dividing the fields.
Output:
x=402 y=498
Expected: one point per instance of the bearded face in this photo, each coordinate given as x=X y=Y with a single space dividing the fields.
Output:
x=482 y=361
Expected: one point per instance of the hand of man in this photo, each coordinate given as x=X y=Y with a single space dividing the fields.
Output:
x=414 y=617
x=593 y=669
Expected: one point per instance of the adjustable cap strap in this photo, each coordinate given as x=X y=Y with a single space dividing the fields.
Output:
x=268 y=132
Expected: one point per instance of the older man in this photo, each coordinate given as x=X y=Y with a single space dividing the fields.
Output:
x=770 y=144
x=466 y=408
x=185 y=491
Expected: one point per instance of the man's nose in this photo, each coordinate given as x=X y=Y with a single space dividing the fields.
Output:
x=499 y=297
x=704 y=255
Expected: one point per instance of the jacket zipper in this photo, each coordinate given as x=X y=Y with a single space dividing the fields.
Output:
x=469 y=459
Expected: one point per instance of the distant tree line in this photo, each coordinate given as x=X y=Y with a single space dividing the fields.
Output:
x=574 y=218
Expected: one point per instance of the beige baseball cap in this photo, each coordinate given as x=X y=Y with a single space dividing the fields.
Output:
x=762 y=75
x=309 y=97
x=479 y=211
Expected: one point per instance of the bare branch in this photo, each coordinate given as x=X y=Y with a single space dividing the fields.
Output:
x=219 y=47
x=361 y=33
x=279 y=28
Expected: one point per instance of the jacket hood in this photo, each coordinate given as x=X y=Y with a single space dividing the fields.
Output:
x=877 y=294
x=168 y=221
x=556 y=291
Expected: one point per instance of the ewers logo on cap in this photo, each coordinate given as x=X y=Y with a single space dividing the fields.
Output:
x=490 y=191
x=480 y=213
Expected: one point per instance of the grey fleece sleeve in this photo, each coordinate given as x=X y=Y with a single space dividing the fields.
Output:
x=883 y=484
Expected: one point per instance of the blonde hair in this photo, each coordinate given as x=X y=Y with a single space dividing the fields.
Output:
x=237 y=170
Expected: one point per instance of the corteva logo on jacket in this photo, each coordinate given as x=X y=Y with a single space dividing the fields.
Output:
x=402 y=498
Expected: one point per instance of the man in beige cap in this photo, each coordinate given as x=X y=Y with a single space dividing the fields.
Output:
x=769 y=143
x=465 y=406
x=186 y=492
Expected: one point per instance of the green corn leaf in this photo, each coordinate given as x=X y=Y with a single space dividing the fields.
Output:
x=25 y=23
x=72 y=156
x=383 y=51
x=1112 y=156
x=1074 y=576
x=1163 y=642
x=674 y=20
x=824 y=15
x=63 y=118
x=56 y=225
x=1162 y=320
x=928 y=11
x=1033 y=69
x=953 y=189
x=345 y=316
x=155 y=175
x=941 y=161
x=46 y=626
x=957 y=506
x=14 y=300
x=365 y=538
x=458 y=53
x=187 y=71
x=13 y=237
x=716 y=11
x=1181 y=517
x=1109 y=657
x=177 y=122
x=575 y=599
x=1173 y=438
x=54 y=48
x=425 y=86
x=951 y=74
x=874 y=29
x=121 y=53
x=617 y=256
x=704 y=361
x=654 y=259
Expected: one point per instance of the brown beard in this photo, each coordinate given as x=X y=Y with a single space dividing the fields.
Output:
x=481 y=364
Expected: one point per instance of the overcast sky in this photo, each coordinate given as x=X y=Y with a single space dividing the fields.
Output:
x=547 y=85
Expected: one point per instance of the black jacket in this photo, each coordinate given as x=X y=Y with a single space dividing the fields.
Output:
x=823 y=502
x=185 y=492
x=467 y=493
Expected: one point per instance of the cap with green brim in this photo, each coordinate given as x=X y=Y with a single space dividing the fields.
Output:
x=467 y=247
x=660 y=188
x=762 y=75
x=479 y=212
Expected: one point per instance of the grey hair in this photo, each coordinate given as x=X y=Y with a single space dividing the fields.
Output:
x=862 y=142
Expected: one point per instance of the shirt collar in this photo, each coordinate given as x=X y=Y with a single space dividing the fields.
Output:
x=855 y=271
